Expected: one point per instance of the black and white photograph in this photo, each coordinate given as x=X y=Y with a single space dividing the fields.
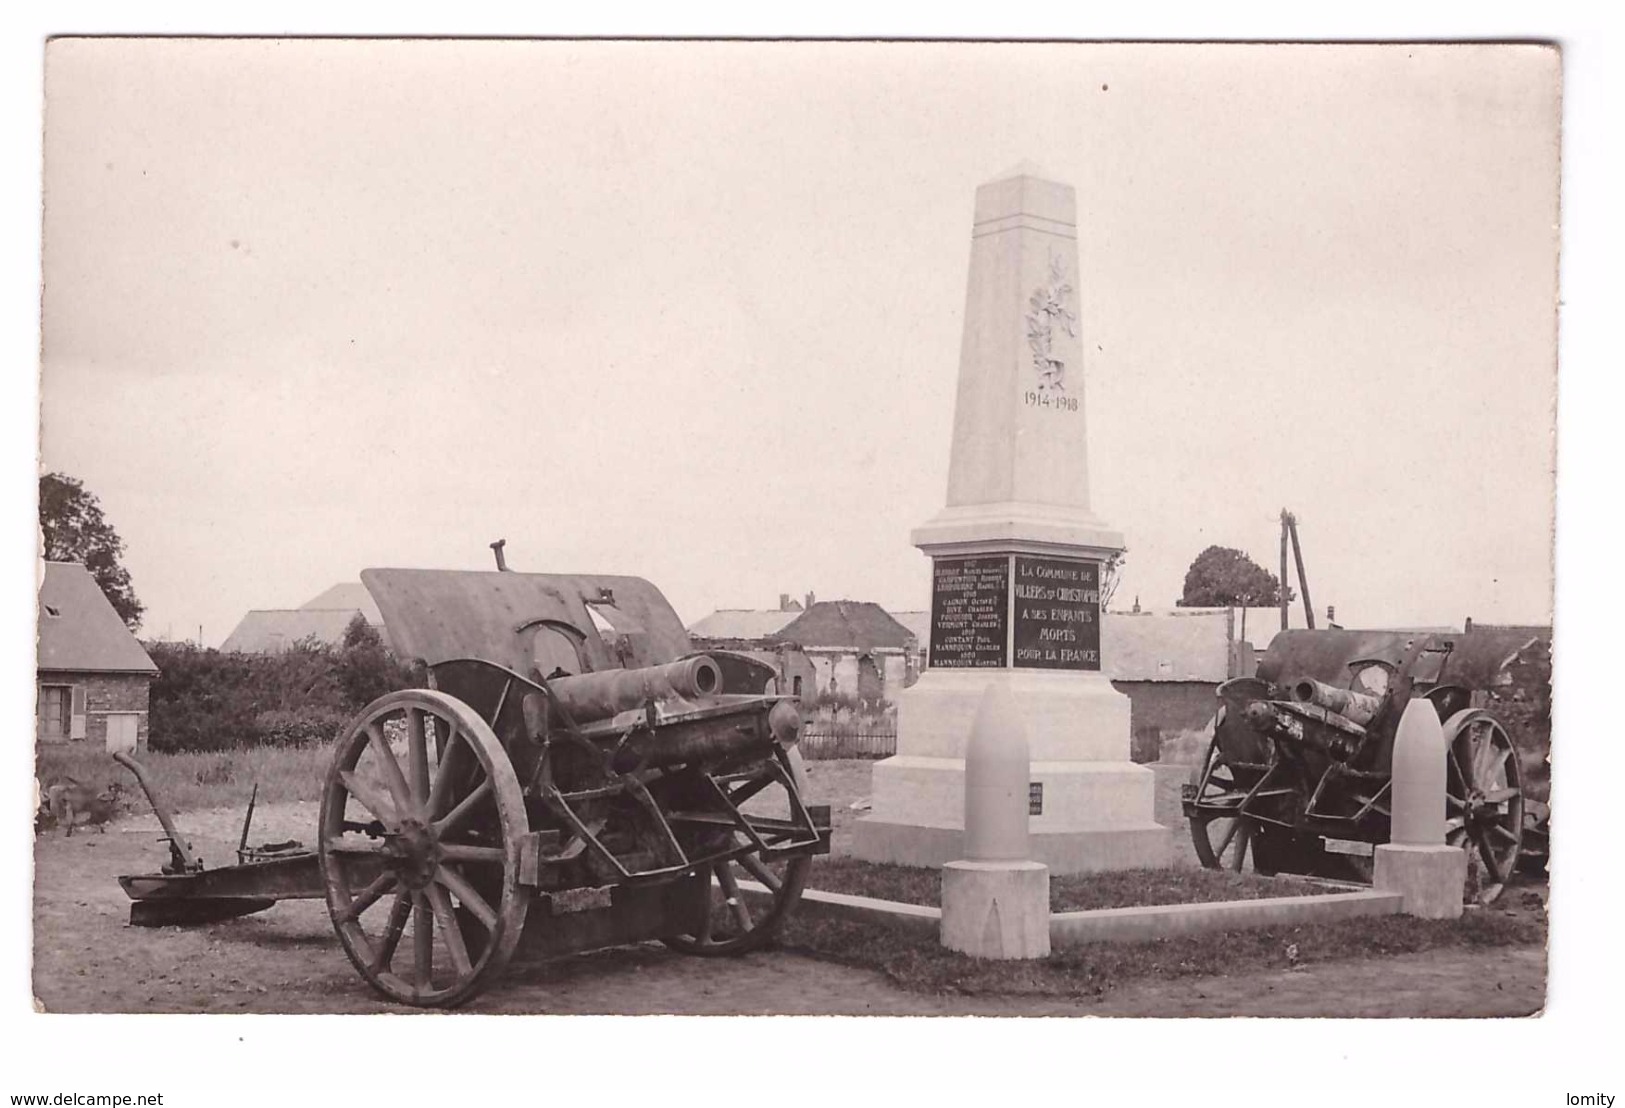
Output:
x=738 y=528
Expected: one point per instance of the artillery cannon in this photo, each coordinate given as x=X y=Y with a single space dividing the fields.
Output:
x=573 y=777
x=1297 y=775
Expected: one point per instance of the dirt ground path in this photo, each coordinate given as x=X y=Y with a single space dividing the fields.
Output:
x=87 y=959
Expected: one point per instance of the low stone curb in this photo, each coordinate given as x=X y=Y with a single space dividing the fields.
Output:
x=1120 y=924
x=1164 y=921
x=866 y=909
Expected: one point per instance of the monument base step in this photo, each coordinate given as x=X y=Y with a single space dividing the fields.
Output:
x=1068 y=716
x=1073 y=796
x=1064 y=852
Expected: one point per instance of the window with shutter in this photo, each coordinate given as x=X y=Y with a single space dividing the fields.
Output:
x=55 y=704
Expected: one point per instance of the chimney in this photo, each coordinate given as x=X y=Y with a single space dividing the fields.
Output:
x=1136 y=604
x=811 y=599
x=784 y=602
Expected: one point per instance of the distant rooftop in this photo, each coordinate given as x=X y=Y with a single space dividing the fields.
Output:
x=1192 y=644
x=741 y=623
x=917 y=622
x=352 y=595
x=271 y=631
x=846 y=624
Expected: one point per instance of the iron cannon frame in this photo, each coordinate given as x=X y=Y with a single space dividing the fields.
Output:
x=572 y=777
x=1297 y=774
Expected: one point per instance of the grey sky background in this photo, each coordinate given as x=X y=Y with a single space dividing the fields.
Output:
x=693 y=311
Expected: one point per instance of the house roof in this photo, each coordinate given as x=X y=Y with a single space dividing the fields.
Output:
x=1192 y=645
x=918 y=623
x=269 y=631
x=741 y=623
x=846 y=624
x=350 y=594
x=86 y=633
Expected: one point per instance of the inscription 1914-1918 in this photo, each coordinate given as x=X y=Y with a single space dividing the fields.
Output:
x=1057 y=614
x=969 y=599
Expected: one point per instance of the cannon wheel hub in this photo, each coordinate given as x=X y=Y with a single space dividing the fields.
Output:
x=417 y=852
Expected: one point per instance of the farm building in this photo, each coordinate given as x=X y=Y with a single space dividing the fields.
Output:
x=92 y=675
x=1170 y=665
x=856 y=648
x=749 y=631
x=845 y=647
x=322 y=618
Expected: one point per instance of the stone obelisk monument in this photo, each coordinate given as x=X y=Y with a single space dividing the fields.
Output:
x=1016 y=557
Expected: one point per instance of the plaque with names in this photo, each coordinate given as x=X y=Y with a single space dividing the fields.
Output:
x=970 y=599
x=1057 y=614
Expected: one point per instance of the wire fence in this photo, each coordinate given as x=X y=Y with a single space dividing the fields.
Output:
x=826 y=740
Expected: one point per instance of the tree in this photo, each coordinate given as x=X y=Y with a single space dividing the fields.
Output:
x=76 y=531
x=366 y=668
x=1222 y=577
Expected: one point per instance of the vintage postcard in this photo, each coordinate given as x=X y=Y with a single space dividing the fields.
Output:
x=796 y=528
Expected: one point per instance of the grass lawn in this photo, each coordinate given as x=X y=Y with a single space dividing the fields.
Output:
x=1074 y=893
x=192 y=782
x=919 y=963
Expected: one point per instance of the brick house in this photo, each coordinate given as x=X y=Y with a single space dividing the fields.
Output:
x=92 y=676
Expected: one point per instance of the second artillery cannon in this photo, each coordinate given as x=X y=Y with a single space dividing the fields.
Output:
x=1297 y=776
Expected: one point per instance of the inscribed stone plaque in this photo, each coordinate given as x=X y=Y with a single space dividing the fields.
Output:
x=969 y=599
x=1057 y=614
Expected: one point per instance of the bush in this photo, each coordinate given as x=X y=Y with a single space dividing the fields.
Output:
x=207 y=700
x=302 y=726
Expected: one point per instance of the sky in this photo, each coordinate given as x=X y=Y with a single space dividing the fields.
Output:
x=693 y=311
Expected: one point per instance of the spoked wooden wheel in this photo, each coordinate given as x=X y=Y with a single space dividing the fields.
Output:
x=1222 y=842
x=746 y=917
x=421 y=787
x=1483 y=797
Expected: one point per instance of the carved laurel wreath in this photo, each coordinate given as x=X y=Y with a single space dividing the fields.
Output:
x=1047 y=307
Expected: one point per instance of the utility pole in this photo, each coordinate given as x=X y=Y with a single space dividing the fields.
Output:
x=1289 y=526
x=1285 y=515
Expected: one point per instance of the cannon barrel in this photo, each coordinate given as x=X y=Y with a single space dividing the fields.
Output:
x=595 y=696
x=1354 y=706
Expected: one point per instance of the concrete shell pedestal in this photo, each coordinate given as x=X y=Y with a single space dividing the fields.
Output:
x=1096 y=806
x=996 y=909
x=1429 y=878
x=1430 y=875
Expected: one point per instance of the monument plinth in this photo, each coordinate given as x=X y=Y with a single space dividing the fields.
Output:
x=1017 y=558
